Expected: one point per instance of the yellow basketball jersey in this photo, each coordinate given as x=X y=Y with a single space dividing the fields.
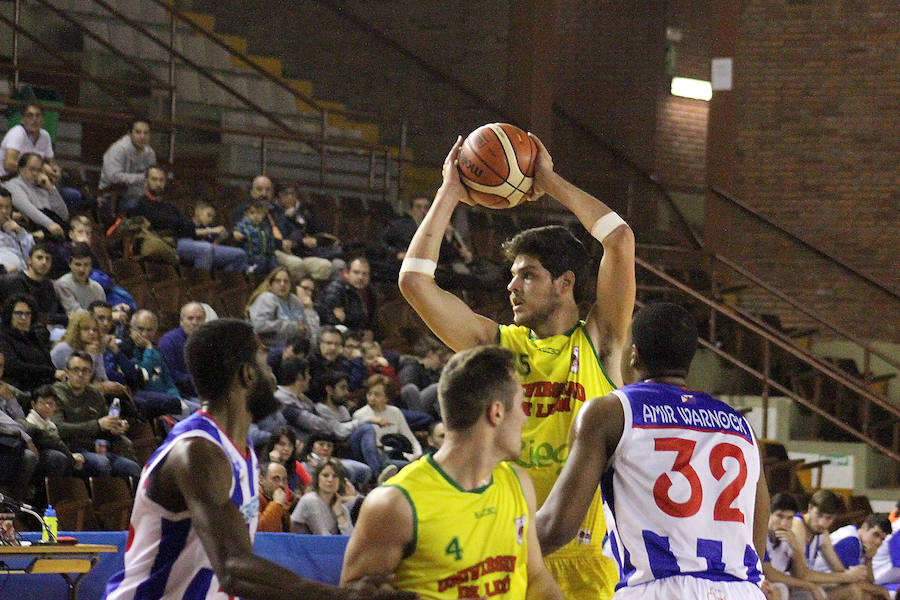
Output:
x=559 y=374
x=466 y=543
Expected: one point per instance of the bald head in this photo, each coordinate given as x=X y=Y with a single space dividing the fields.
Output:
x=261 y=188
x=192 y=317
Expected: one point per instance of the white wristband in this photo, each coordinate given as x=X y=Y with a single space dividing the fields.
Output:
x=605 y=225
x=418 y=265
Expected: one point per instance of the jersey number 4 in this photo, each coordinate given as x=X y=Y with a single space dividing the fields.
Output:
x=723 y=510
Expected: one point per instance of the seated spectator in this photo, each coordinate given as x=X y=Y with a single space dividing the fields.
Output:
x=127 y=159
x=82 y=334
x=83 y=418
x=139 y=348
x=194 y=241
x=282 y=448
x=73 y=197
x=36 y=283
x=321 y=447
x=277 y=314
x=258 y=240
x=18 y=454
x=298 y=224
x=275 y=498
x=324 y=510
x=56 y=460
x=29 y=136
x=171 y=344
x=36 y=198
x=350 y=301
x=80 y=230
x=857 y=546
x=297 y=345
x=121 y=369
x=15 y=242
x=377 y=406
x=358 y=433
x=435 y=437
x=262 y=195
x=375 y=362
x=886 y=563
x=811 y=531
x=419 y=374
x=76 y=290
x=328 y=357
x=295 y=409
x=781 y=571
x=28 y=363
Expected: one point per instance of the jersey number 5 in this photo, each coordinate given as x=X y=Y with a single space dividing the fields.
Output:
x=723 y=511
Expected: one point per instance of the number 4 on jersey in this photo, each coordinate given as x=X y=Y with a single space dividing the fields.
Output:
x=454 y=549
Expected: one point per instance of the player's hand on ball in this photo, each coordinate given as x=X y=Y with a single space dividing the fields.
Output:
x=452 y=186
x=543 y=170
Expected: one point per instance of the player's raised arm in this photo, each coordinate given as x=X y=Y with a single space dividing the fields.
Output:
x=610 y=316
x=382 y=532
x=595 y=434
x=449 y=317
x=541 y=585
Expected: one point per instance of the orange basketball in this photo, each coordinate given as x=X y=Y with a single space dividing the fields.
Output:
x=496 y=164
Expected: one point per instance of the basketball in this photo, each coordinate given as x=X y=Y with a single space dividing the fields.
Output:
x=496 y=164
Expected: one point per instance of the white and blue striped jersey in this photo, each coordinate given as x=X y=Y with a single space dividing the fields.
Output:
x=164 y=558
x=680 y=489
x=847 y=546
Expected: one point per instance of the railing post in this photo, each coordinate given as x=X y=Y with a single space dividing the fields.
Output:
x=15 y=48
x=322 y=149
x=387 y=174
x=401 y=156
x=263 y=155
x=372 y=172
x=172 y=33
x=714 y=291
x=767 y=359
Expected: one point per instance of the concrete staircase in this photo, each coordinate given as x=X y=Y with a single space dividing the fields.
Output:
x=237 y=157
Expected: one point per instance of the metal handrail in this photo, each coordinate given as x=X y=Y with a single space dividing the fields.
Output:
x=767 y=380
x=810 y=359
x=44 y=70
x=175 y=12
x=81 y=27
x=198 y=68
x=809 y=313
x=693 y=237
x=53 y=52
x=817 y=318
x=805 y=243
x=87 y=115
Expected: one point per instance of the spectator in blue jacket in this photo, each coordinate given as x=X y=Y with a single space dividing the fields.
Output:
x=171 y=344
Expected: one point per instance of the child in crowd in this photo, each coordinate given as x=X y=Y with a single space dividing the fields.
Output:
x=203 y=218
x=56 y=458
x=255 y=233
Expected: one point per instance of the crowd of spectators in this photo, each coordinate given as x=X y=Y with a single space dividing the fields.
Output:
x=83 y=363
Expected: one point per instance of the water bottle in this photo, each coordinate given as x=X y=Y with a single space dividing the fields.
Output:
x=115 y=408
x=50 y=523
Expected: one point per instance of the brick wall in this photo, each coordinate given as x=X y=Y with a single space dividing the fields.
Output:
x=815 y=138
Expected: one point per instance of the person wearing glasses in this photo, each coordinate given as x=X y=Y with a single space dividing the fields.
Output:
x=84 y=423
x=28 y=363
x=27 y=136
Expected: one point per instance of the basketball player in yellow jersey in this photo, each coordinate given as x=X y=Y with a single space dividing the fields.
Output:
x=562 y=361
x=459 y=523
